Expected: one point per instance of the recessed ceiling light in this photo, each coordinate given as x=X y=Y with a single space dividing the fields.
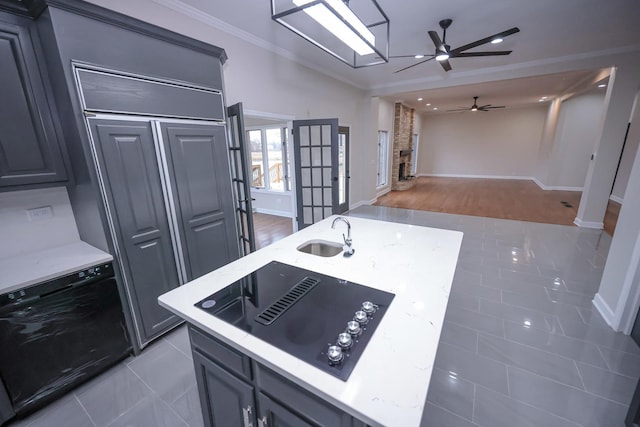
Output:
x=496 y=40
x=435 y=108
x=602 y=85
x=419 y=99
x=428 y=105
x=544 y=97
x=419 y=56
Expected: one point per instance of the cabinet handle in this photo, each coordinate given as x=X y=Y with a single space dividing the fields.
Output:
x=262 y=422
x=246 y=412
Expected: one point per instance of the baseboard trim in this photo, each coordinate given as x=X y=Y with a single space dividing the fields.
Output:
x=273 y=212
x=382 y=193
x=588 y=224
x=616 y=199
x=452 y=175
x=605 y=311
x=556 y=187
x=363 y=203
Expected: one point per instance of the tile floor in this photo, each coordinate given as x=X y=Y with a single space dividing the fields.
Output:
x=521 y=345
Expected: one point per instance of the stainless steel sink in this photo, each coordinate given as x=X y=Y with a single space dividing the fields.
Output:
x=320 y=248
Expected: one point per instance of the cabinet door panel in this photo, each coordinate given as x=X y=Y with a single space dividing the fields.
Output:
x=198 y=166
x=225 y=399
x=29 y=150
x=277 y=415
x=131 y=175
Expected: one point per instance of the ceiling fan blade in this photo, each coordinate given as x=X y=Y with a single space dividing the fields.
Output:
x=487 y=108
x=484 y=106
x=485 y=40
x=436 y=40
x=470 y=54
x=461 y=109
x=445 y=64
x=413 y=65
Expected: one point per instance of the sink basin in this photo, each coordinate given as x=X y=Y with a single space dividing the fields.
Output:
x=320 y=248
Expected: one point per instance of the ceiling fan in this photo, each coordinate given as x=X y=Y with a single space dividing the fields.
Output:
x=475 y=107
x=444 y=52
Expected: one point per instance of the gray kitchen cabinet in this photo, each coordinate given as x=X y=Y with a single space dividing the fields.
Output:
x=171 y=208
x=199 y=171
x=130 y=172
x=237 y=391
x=30 y=153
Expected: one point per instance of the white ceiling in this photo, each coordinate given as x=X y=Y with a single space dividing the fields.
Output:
x=551 y=32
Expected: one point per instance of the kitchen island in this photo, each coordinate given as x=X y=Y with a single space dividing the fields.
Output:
x=389 y=384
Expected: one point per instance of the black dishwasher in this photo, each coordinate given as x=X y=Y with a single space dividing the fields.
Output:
x=59 y=333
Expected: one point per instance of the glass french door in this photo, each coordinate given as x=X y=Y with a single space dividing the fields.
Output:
x=316 y=155
x=343 y=169
x=240 y=177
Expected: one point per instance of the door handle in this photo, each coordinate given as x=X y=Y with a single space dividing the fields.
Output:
x=246 y=413
x=335 y=178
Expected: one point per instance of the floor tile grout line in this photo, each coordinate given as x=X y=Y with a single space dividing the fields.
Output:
x=575 y=363
x=570 y=386
x=536 y=407
x=84 y=409
x=453 y=413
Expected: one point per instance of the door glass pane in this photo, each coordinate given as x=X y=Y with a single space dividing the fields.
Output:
x=317 y=214
x=306 y=177
x=304 y=157
x=317 y=196
x=306 y=196
x=255 y=144
x=326 y=135
x=316 y=176
x=316 y=156
x=342 y=169
x=304 y=135
x=274 y=159
x=326 y=156
x=315 y=135
x=326 y=177
x=327 y=212
x=327 y=196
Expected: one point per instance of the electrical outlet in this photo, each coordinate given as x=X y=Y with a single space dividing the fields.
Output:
x=38 y=214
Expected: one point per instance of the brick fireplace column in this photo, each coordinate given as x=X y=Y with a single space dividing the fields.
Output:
x=402 y=147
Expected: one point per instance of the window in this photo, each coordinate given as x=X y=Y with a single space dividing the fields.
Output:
x=383 y=150
x=269 y=166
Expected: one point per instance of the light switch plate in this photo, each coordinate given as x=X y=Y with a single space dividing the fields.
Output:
x=38 y=214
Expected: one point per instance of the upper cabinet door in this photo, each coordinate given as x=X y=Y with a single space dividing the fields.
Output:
x=198 y=166
x=29 y=150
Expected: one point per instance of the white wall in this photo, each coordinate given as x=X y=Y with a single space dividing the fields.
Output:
x=498 y=143
x=628 y=155
x=385 y=112
x=577 y=130
x=21 y=234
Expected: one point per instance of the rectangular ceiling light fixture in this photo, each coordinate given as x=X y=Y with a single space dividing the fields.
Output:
x=358 y=41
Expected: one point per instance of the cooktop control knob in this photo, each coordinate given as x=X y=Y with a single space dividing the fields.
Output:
x=368 y=307
x=353 y=327
x=344 y=340
x=334 y=354
x=361 y=317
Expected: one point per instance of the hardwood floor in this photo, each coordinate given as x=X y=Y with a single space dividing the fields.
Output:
x=514 y=199
x=270 y=228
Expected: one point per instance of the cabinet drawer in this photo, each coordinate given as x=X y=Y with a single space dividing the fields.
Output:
x=311 y=407
x=226 y=356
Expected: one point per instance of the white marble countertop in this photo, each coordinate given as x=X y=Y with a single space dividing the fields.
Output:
x=27 y=269
x=389 y=384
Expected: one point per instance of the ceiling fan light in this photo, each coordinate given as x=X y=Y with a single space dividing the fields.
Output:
x=496 y=40
x=419 y=56
x=442 y=56
x=474 y=109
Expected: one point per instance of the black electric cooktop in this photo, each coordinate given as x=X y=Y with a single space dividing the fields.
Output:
x=322 y=320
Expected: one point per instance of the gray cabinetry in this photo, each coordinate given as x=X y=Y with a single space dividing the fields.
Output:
x=29 y=146
x=170 y=207
x=130 y=172
x=236 y=391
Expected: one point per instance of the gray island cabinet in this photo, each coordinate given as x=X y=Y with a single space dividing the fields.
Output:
x=245 y=381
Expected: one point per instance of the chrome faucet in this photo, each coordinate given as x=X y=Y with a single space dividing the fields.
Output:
x=348 y=250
